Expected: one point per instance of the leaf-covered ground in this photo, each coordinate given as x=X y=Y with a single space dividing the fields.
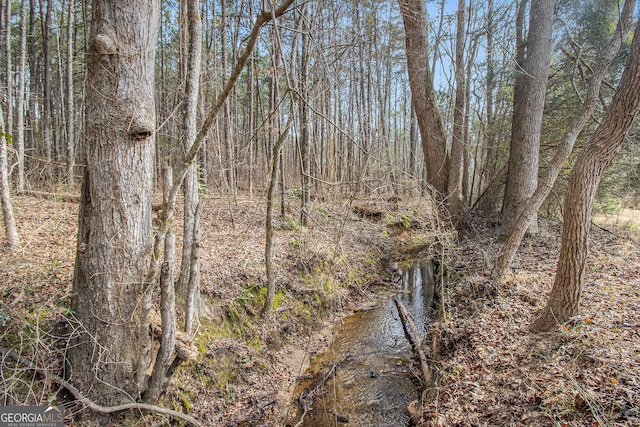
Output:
x=247 y=366
x=492 y=372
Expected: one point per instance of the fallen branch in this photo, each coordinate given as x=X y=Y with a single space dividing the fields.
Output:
x=88 y=402
x=406 y=319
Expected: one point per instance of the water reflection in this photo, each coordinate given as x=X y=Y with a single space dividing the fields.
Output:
x=371 y=384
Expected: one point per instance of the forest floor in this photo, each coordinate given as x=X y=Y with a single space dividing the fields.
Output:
x=490 y=371
x=248 y=366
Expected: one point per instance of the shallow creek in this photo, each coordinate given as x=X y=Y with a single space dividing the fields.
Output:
x=366 y=368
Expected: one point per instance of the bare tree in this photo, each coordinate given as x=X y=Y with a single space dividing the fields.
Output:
x=593 y=161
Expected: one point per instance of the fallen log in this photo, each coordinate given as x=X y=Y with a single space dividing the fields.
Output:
x=406 y=319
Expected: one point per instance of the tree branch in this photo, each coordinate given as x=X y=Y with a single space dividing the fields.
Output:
x=88 y=402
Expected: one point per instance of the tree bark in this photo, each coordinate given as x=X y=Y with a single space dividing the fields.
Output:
x=593 y=161
x=456 y=163
x=529 y=99
x=10 y=230
x=489 y=201
x=45 y=24
x=423 y=95
x=111 y=298
x=8 y=126
x=190 y=190
x=167 y=307
x=268 y=250
x=607 y=56
x=71 y=144
x=21 y=90
x=305 y=139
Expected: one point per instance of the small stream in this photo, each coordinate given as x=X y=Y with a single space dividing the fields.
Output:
x=371 y=384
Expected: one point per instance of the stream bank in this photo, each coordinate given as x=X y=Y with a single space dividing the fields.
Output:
x=366 y=376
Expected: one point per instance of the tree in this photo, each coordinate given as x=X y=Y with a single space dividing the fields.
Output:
x=454 y=192
x=606 y=55
x=111 y=298
x=590 y=166
x=414 y=17
x=190 y=260
x=533 y=62
x=21 y=89
x=47 y=96
x=71 y=144
x=10 y=230
x=188 y=284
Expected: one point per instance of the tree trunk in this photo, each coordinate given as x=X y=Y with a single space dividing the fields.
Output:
x=305 y=140
x=167 y=305
x=45 y=17
x=190 y=190
x=10 y=230
x=606 y=56
x=414 y=16
x=21 y=87
x=584 y=180
x=456 y=163
x=71 y=144
x=268 y=250
x=226 y=112
x=9 y=76
x=111 y=298
x=529 y=99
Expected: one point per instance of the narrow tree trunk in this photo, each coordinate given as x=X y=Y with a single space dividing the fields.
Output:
x=191 y=197
x=71 y=145
x=167 y=306
x=9 y=77
x=466 y=170
x=305 y=140
x=45 y=17
x=593 y=161
x=226 y=113
x=10 y=230
x=529 y=100
x=606 y=56
x=268 y=250
x=192 y=310
x=456 y=163
x=21 y=86
x=111 y=298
